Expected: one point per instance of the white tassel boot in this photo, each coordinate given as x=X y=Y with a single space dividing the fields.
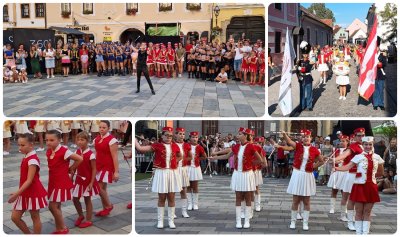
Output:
x=300 y=211
x=238 y=217
x=293 y=218
x=190 y=201
x=171 y=214
x=306 y=215
x=365 y=227
x=247 y=217
x=195 y=201
x=343 y=214
x=242 y=209
x=359 y=227
x=252 y=210
x=160 y=217
x=257 y=200
x=184 y=208
x=350 y=222
x=332 y=210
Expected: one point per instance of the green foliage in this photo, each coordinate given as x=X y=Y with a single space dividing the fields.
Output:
x=320 y=10
x=389 y=18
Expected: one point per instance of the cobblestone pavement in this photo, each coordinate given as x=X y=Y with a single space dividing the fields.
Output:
x=326 y=97
x=89 y=96
x=118 y=222
x=216 y=214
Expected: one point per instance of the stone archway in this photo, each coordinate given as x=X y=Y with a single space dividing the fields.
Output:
x=252 y=26
x=131 y=34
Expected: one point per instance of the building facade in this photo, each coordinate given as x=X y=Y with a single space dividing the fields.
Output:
x=24 y=15
x=316 y=31
x=341 y=36
x=237 y=20
x=383 y=29
x=124 y=21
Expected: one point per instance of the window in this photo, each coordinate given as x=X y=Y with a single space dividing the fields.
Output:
x=132 y=8
x=277 y=42
x=210 y=127
x=316 y=37
x=278 y=6
x=39 y=9
x=193 y=6
x=164 y=7
x=6 y=18
x=24 y=10
x=66 y=8
x=87 y=8
x=258 y=127
x=308 y=36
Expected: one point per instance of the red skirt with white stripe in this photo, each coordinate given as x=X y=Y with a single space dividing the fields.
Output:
x=104 y=176
x=59 y=194
x=82 y=190
x=29 y=203
x=366 y=193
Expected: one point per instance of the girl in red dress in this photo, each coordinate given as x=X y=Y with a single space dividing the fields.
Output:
x=85 y=181
x=150 y=59
x=245 y=67
x=106 y=164
x=60 y=184
x=162 y=60
x=364 y=192
x=166 y=178
x=243 y=180
x=261 y=64
x=156 y=54
x=31 y=195
x=171 y=60
x=252 y=61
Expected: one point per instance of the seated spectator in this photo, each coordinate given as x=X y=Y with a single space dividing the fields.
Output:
x=222 y=76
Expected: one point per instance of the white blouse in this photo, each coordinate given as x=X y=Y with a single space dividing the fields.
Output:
x=192 y=164
x=240 y=157
x=306 y=155
x=362 y=165
x=167 y=155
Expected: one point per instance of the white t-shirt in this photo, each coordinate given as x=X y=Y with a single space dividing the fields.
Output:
x=223 y=75
x=238 y=55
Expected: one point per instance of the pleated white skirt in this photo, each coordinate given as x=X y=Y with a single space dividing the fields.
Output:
x=258 y=177
x=348 y=182
x=338 y=178
x=183 y=172
x=243 y=181
x=195 y=173
x=323 y=67
x=301 y=183
x=342 y=80
x=166 y=181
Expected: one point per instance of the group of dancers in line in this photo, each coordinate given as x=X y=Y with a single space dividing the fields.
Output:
x=88 y=176
x=177 y=169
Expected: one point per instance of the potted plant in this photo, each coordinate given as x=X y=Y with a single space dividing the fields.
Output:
x=87 y=12
x=65 y=14
x=216 y=30
x=131 y=12
x=165 y=8
x=193 y=7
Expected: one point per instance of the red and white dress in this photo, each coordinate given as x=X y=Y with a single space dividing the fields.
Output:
x=336 y=180
x=60 y=184
x=245 y=65
x=34 y=197
x=302 y=182
x=243 y=179
x=365 y=189
x=194 y=170
x=322 y=62
x=85 y=170
x=183 y=164
x=171 y=56
x=166 y=177
x=261 y=61
x=253 y=64
x=156 y=53
x=150 y=59
x=104 y=161
x=356 y=149
x=162 y=59
x=257 y=168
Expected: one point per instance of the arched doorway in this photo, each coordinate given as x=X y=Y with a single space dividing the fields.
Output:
x=131 y=34
x=312 y=125
x=253 y=28
x=192 y=35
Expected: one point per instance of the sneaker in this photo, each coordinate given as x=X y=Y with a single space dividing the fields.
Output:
x=344 y=98
x=79 y=220
x=48 y=76
x=52 y=76
x=40 y=149
x=340 y=97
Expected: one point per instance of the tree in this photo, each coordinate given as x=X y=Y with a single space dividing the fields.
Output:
x=389 y=18
x=321 y=11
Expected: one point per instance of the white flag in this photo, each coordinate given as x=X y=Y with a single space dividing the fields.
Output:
x=285 y=90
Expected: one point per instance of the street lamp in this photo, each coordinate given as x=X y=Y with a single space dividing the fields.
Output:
x=216 y=12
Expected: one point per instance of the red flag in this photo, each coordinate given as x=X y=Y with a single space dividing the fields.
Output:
x=368 y=67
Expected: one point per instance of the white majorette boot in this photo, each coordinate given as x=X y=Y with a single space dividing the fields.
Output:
x=293 y=218
x=350 y=222
x=252 y=210
x=190 y=201
x=343 y=213
x=238 y=218
x=160 y=217
x=300 y=211
x=247 y=217
x=242 y=209
x=306 y=215
x=359 y=227
x=257 y=201
x=365 y=227
x=184 y=208
x=171 y=214
x=195 y=201
x=332 y=210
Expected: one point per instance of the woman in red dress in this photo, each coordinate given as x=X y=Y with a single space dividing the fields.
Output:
x=171 y=60
x=162 y=60
x=31 y=195
x=60 y=183
x=106 y=164
x=166 y=178
x=150 y=59
x=364 y=192
x=252 y=62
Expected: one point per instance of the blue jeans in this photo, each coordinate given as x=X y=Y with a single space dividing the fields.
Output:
x=378 y=93
x=306 y=95
x=237 y=65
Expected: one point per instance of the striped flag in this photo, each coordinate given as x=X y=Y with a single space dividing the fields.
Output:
x=285 y=89
x=368 y=67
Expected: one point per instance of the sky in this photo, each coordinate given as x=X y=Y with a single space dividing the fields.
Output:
x=345 y=13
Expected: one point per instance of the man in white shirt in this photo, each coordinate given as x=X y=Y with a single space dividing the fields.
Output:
x=237 y=63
